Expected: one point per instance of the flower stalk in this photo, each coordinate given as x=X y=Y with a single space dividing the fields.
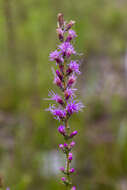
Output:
x=65 y=78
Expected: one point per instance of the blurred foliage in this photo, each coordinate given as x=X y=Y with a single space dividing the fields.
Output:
x=27 y=132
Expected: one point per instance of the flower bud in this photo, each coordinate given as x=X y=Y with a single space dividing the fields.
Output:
x=58 y=82
x=60 y=20
x=72 y=170
x=63 y=179
x=59 y=100
x=69 y=71
x=69 y=52
x=71 y=35
x=70 y=156
x=71 y=81
x=68 y=93
x=61 y=129
x=65 y=145
x=60 y=34
x=59 y=74
x=61 y=146
x=72 y=144
x=73 y=188
x=62 y=169
x=69 y=25
x=73 y=134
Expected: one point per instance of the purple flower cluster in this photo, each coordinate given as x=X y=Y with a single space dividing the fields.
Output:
x=65 y=78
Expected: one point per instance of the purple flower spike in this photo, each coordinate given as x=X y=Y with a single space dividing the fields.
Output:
x=71 y=35
x=7 y=188
x=62 y=169
x=73 y=134
x=70 y=156
x=72 y=144
x=73 y=188
x=65 y=104
x=61 y=129
x=72 y=170
x=63 y=179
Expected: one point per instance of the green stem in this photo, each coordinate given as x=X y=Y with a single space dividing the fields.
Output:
x=67 y=132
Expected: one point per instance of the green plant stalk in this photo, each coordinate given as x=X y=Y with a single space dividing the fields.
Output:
x=67 y=132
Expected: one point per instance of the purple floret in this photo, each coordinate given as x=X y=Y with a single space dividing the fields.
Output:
x=74 y=107
x=71 y=35
x=72 y=144
x=55 y=56
x=67 y=49
x=58 y=113
x=61 y=146
x=56 y=97
x=74 y=67
x=69 y=93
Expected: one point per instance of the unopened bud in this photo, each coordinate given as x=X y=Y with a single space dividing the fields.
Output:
x=72 y=170
x=61 y=129
x=60 y=34
x=62 y=169
x=70 y=156
x=72 y=144
x=60 y=20
x=59 y=74
x=63 y=179
x=73 y=134
x=73 y=188
x=69 y=25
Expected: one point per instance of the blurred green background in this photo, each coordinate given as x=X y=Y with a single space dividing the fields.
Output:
x=29 y=157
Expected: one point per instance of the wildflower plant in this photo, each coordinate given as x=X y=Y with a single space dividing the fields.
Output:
x=65 y=104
